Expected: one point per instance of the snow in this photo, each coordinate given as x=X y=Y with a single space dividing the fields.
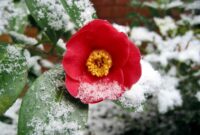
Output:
x=165 y=24
x=193 y=5
x=3 y=18
x=2 y=91
x=58 y=116
x=61 y=44
x=160 y=50
x=55 y=123
x=139 y=34
x=86 y=10
x=121 y=28
x=8 y=11
x=182 y=48
x=12 y=61
x=198 y=96
x=148 y=84
x=168 y=96
x=151 y=83
x=35 y=62
x=191 y=19
x=55 y=14
x=195 y=20
x=46 y=63
x=103 y=89
x=23 y=38
x=12 y=112
x=106 y=118
x=165 y=5
x=32 y=62
x=69 y=2
x=13 y=52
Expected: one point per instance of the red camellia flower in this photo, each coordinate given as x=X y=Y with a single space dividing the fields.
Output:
x=100 y=63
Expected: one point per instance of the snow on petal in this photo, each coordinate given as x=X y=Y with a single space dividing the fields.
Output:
x=103 y=89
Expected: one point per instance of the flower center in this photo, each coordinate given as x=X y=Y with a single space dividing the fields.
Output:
x=99 y=62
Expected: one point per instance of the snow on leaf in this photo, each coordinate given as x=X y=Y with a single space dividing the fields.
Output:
x=22 y=38
x=165 y=24
x=53 y=11
x=13 y=73
x=51 y=17
x=193 y=5
x=12 y=16
x=80 y=11
x=182 y=48
x=165 y=5
x=141 y=34
x=191 y=19
x=47 y=109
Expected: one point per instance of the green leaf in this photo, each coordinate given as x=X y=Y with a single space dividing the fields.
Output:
x=47 y=109
x=19 y=20
x=49 y=16
x=13 y=74
x=80 y=11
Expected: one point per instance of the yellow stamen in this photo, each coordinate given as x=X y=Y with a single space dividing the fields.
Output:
x=99 y=63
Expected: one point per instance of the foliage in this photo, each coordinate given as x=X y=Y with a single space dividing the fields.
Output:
x=13 y=73
x=182 y=120
x=47 y=109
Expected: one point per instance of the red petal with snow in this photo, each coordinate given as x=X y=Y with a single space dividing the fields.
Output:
x=125 y=70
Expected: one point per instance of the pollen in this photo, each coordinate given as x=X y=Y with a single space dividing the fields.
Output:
x=99 y=63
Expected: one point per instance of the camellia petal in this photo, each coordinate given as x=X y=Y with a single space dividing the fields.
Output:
x=76 y=56
x=72 y=86
x=132 y=69
x=114 y=75
x=100 y=63
x=108 y=38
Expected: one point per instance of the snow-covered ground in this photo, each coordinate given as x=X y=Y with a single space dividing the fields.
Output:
x=12 y=113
